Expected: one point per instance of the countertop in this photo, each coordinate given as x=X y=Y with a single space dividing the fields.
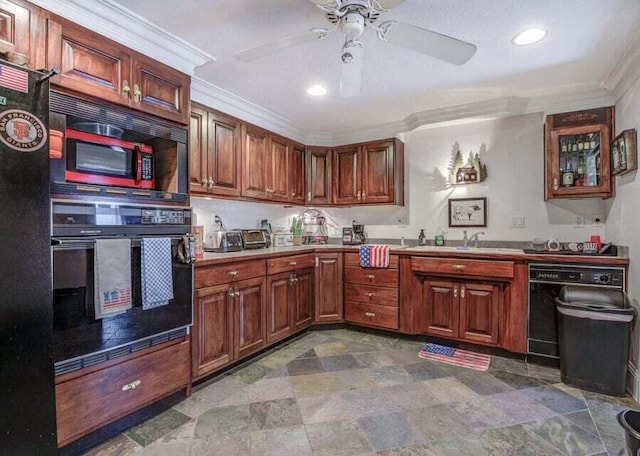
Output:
x=489 y=253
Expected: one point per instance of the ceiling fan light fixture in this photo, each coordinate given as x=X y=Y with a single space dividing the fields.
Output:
x=529 y=36
x=317 y=90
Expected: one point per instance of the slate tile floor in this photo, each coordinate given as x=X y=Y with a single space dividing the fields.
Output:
x=351 y=393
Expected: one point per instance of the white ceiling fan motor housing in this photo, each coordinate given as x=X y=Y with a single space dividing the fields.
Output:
x=352 y=25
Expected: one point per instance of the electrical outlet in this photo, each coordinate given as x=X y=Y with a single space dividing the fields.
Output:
x=517 y=221
x=578 y=221
x=597 y=220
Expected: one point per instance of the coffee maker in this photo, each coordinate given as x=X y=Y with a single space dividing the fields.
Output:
x=354 y=235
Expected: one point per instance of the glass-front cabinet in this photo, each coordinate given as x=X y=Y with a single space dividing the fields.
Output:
x=577 y=159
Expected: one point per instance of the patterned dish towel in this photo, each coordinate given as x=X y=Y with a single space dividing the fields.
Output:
x=374 y=256
x=157 y=273
x=112 y=277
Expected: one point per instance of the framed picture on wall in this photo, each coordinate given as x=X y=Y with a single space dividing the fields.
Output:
x=465 y=212
x=624 y=154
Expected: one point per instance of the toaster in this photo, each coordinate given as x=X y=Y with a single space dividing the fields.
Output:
x=224 y=241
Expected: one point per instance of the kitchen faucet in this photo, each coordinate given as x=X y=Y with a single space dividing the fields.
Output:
x=468 y=240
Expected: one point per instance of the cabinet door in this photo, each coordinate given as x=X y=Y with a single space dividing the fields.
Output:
x=89 y=63
x=15 y=28
x=212 y=330
x=254 y=163
x=278 y=169
x=378 y=180
x=329 y=305
x=280 y=295
x=318 y=175
x=224 y=154
x=297 y=174
x=303 y=302
x=479 y=312
x=346 y=175
x=441 y=307
x=160 y=90
x=198 y=155
x=250 y=316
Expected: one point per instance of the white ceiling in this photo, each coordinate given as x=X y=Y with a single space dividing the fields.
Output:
x=585 y=40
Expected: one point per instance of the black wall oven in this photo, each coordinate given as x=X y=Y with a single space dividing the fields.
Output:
x=81 y=339
x=545 y=283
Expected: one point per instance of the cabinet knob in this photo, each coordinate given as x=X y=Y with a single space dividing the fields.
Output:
x=126 y=89
x=203 y=181
x=370 y=276
x=370 y=295
x=455 y=291
x=237 y=293
x=132 y=385
x=309 y=196
x=293 y=194
x=364 y=196
x=358 y=196
x=211 y=182
x=137 y=93
x=233 y=273
x=462 y=291
x=555 y=183
x=232 y=293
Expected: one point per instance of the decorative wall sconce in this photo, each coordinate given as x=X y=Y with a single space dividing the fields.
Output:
x=471 y=172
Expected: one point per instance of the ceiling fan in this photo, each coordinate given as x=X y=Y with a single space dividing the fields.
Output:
x=351 y=17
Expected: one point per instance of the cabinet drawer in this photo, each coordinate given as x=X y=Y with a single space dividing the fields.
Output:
x=371 y=314
x=290 y=263
x=371 y=295
x=464 y=267
x=353 y=259
x=369 y=276
x=222 y=273
x=89 y=402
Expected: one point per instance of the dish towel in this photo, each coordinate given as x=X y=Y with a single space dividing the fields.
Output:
x=374 y=256
x=112 y=277
x=157 y=274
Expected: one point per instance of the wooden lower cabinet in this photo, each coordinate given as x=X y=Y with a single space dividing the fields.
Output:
x=213 y=329
x=329 y=306
x=466 y=310
x=250 y=333
x=290 y=303
x=87 y=402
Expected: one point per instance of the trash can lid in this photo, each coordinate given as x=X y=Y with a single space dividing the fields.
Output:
x=594 y=298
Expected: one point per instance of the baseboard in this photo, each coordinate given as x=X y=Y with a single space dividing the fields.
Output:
x=633 y=381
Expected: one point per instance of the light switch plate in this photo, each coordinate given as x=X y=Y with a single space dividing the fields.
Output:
x=578 y=221
x=517 y=221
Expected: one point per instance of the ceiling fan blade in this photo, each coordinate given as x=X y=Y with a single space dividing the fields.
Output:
x=351 y=73
x=434 y=44
x=388 y=4
x=254 y=53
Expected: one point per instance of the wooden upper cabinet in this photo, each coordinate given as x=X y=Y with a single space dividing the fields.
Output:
x=278 y=169
x=255 y=150
x=94 y=65
x=214 y=153
x=577 y=156
x=318 y=180
x=159 y=89
x=297 y=172
x=16 y=28
x=369 y=173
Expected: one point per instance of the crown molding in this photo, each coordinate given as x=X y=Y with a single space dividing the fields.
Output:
x=626 y=70
x=596 y=97
x=124 y=26
x=218 y=98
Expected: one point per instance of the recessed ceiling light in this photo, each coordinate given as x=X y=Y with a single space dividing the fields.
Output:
x=529 y=36
x=317 y=90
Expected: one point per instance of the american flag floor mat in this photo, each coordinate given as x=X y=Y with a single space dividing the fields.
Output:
x=455 y=356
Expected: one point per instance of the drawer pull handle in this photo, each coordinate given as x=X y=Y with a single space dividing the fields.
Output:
x=455 y=291
x=292 y=263
x=458 y=267
x=370 y=295
x=462 y=291
x=132 y=385
x=370 y=276
x=126 y=88
x=369 y=314
x=233 y=273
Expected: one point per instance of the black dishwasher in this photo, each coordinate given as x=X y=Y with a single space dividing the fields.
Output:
x=545 y=283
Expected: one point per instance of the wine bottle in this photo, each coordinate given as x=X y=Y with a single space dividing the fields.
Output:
x=587 y=143
x=563 y=143
x=593 y=141
x=574 y=145
x=580 y=143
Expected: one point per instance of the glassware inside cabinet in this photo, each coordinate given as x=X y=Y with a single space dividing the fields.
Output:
x=580 y=159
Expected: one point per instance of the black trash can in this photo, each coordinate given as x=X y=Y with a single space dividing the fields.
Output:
x=594 y=331
x=630 y=422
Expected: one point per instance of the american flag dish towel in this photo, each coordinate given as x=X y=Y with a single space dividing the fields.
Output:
x=374 y=256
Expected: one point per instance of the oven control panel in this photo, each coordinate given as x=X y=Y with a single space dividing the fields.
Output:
x=162 y=217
